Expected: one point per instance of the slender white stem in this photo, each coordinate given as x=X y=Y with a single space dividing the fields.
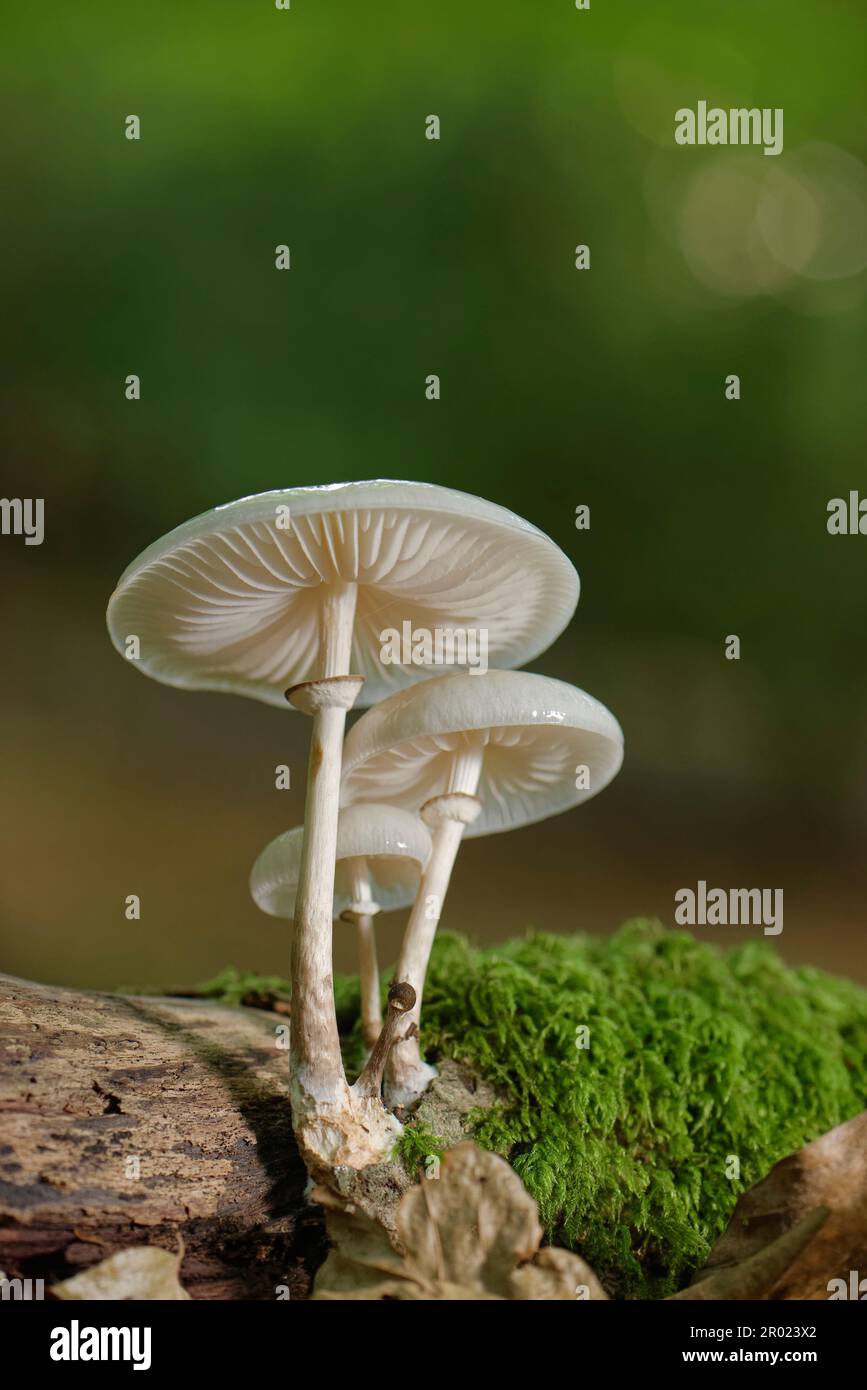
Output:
x=361 y=910
x=368 y=972
x=368 y=969
x=407 y=1073
x=425 y=915
x=317 y=1067
x=335 y=1125
x=336 y=627
x=466 y=769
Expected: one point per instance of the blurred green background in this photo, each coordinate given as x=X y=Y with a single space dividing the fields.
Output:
x=559 y=387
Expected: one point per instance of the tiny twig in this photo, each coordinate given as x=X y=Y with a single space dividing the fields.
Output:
x=401 y=999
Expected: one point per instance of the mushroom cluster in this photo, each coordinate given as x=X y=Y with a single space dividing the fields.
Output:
x=288 y=596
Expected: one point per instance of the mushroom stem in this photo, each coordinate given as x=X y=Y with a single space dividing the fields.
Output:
x=408 y=1074
x=401 y=998
x=336 y=626
x=335 y=1126
x=368 y=969
x=361 y=911
x=318 y=1082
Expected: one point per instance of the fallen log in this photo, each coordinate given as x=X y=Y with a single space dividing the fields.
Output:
x=127 y=1121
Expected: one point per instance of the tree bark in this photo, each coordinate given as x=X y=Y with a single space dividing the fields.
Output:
x=129 y=1121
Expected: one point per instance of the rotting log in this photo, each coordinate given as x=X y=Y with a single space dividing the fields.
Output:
x=128 y=1121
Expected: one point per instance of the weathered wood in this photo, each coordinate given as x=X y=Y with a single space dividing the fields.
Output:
x=192 y=1097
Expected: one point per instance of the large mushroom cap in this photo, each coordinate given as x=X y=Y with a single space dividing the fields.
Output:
x=535 y=733
x=231 y=600
x=395 y=843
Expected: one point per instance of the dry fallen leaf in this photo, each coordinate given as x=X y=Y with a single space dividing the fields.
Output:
x=800 y=1229
x=472 y=1233
x=143 y=1272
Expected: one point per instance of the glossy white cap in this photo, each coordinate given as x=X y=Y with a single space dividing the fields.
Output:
x=231 y=600
x=394 y=843
x=534 y=734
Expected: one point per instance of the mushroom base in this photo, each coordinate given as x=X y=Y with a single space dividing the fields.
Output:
x=409 y=1084
x=345 y=1130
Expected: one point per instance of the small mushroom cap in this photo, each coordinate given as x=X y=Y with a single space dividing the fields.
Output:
x=395 y=843
x=535 y=732
x=231 y=600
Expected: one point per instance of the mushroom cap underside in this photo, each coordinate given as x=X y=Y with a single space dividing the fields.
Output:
x=231 y=601
x=536 y=735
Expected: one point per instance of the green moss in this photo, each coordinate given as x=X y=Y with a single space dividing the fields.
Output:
x=235 y=987
x=416 y=1146
x=695 y=1055
x=232 y=986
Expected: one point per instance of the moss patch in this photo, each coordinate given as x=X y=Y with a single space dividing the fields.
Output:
x=238 y=987
x=694 y=1055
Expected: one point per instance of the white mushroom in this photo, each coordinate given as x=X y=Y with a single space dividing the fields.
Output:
x=381 y=851
x=475 y=756
x=295 y=588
